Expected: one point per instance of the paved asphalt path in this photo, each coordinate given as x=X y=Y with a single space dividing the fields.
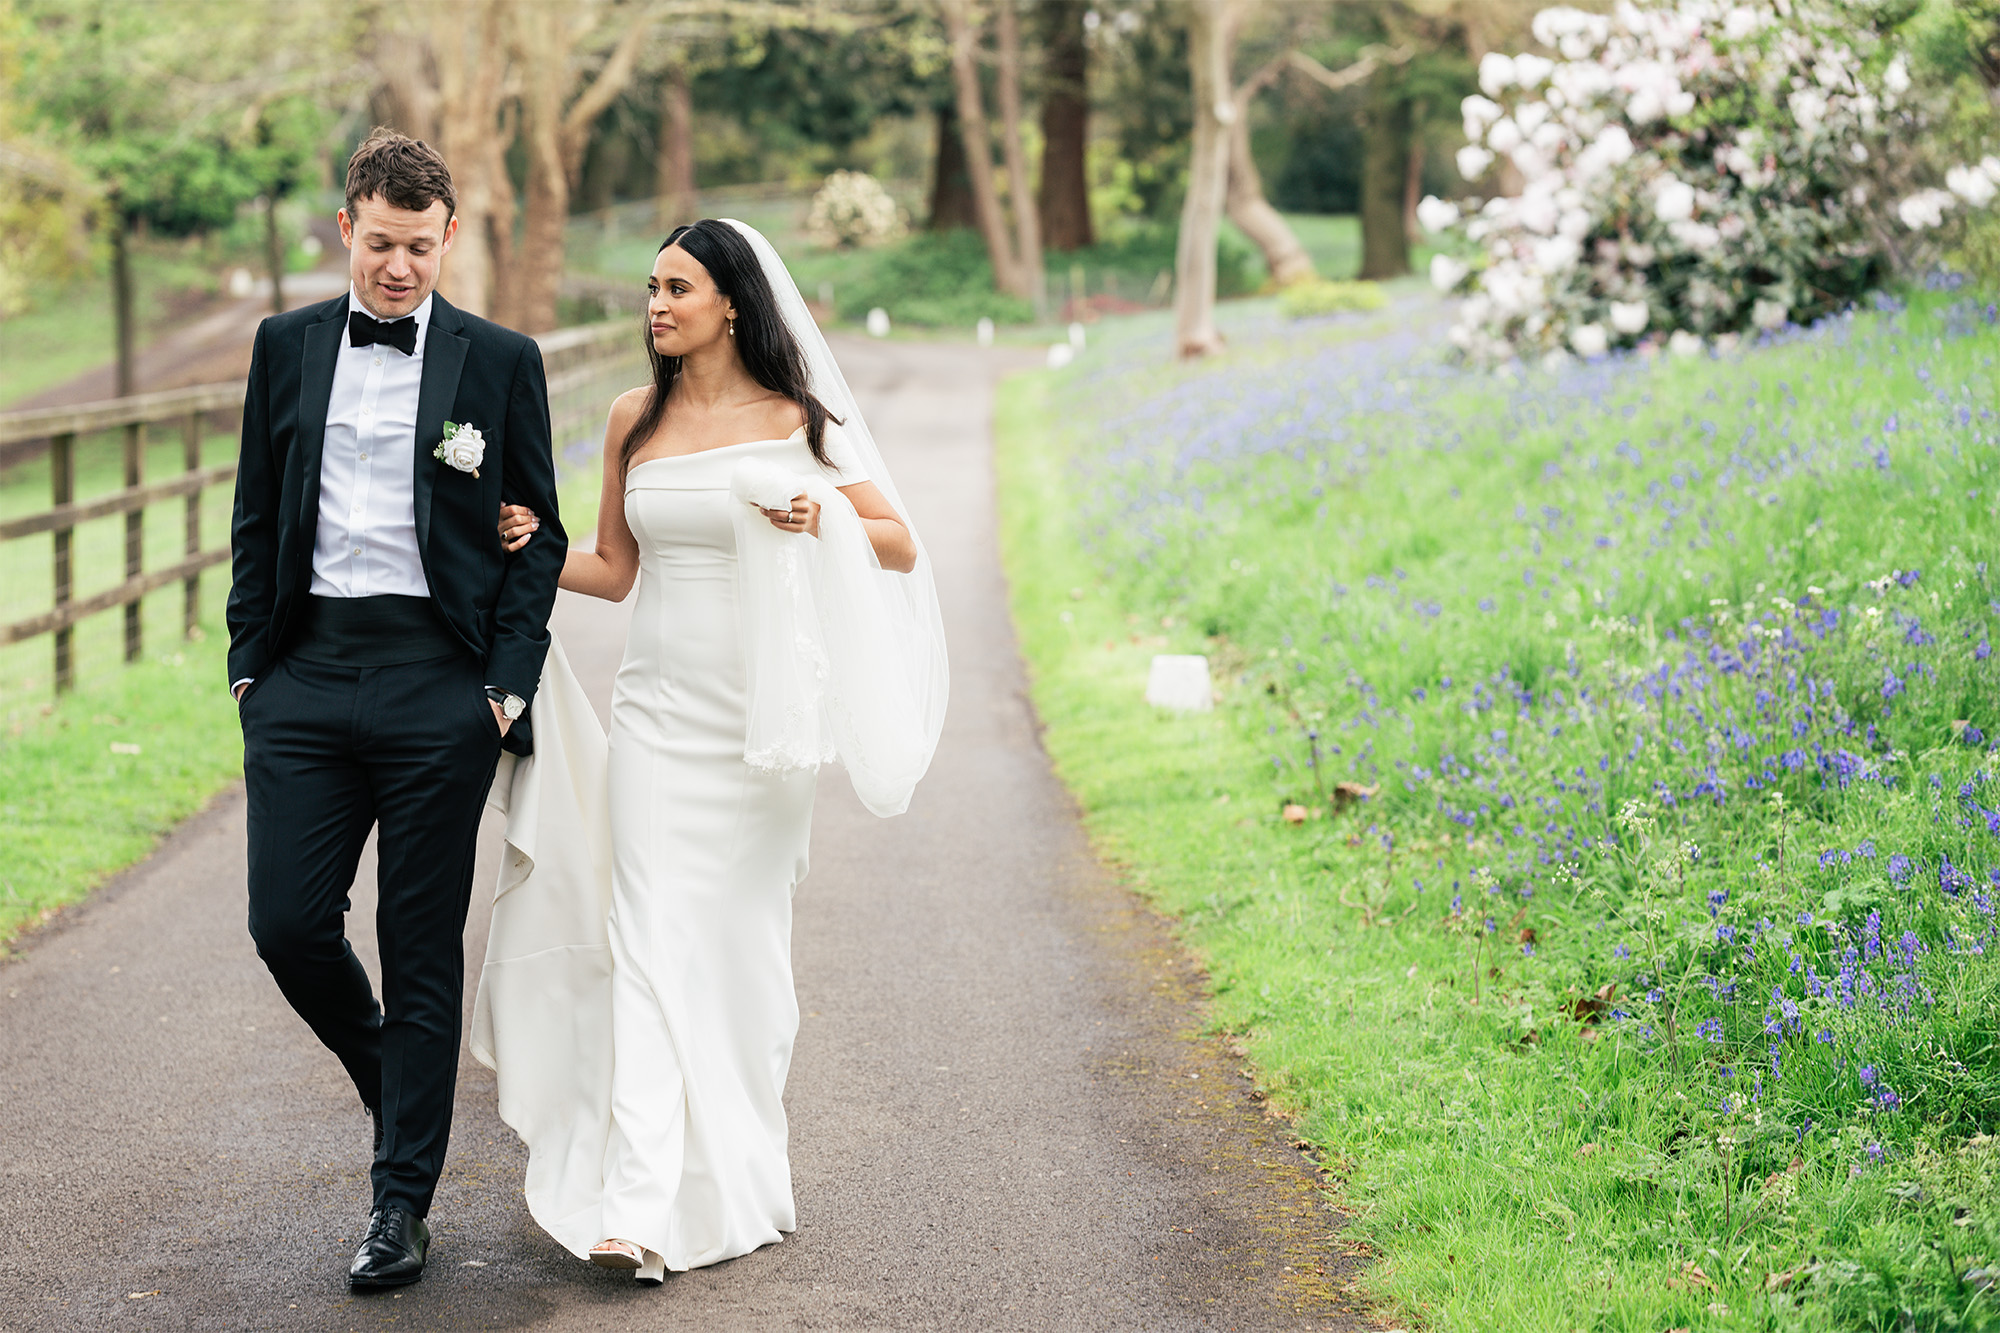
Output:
x=1004 y=1114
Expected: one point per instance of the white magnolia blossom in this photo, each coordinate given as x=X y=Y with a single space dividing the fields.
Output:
x=1589 y=340
x=1447 y=272
x=1435 y=214
x=1971 y=184
x=1630 y=317
x=1925 y=209
x=1673 y=200
x=1640 y=221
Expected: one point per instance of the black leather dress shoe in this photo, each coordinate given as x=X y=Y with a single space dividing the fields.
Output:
x=392 y=1253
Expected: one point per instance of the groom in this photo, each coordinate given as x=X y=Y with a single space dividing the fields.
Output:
x=383 y=649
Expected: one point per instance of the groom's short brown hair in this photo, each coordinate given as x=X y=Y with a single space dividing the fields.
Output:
x=400 y=171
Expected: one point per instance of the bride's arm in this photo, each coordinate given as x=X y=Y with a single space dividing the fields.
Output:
x=607 y=571
x=894 y=547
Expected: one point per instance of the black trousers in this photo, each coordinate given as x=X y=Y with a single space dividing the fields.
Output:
x=329 y=752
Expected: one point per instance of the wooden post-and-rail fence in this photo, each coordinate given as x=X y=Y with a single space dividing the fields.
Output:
x=586 y=367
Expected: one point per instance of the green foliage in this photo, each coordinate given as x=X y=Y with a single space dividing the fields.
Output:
x=1324 y=297
x=1534 y=1012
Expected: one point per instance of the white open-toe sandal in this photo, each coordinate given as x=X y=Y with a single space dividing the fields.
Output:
x=652 y=1270
x=622 y=1255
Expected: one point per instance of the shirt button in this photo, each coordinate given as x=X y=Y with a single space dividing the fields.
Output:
x=378 y=360
x=357 y=550
x=364 y=458
x=364 y=411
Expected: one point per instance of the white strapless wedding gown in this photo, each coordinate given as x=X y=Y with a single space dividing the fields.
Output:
x=706 y=854
x=675 y=1137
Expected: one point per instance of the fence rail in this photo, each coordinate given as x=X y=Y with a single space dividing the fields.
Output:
x=583 y=366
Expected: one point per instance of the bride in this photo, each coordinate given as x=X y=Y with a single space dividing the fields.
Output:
x=786 y=615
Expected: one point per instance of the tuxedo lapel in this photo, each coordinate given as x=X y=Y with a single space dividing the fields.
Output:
x=322 y=354
x=445 y=346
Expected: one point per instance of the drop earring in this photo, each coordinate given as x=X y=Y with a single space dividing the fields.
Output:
x=732 y=328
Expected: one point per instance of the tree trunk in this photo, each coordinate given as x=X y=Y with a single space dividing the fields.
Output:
x=677 y=200
x=469 y=48
x=121 y=300
x=537 y=283
x=556 y=131
x=1286 y=259
x=1413 y=178
x=952 y=204
x=1385 y=162
x=1209 y=23
x=1064 y=197
x=1027 y=219
x=274 y=255
x=1007 y=272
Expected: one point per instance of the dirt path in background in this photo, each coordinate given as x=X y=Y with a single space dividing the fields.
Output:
x=1004 y=1115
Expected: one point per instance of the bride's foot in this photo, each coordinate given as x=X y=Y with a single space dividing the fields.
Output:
x=652 y=1270
x=619 y=1254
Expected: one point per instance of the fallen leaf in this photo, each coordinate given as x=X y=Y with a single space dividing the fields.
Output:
x=139 y=1295
x=1692 y=1278
x=1590 y=1008
x=1347 y=793
x=1295 y=814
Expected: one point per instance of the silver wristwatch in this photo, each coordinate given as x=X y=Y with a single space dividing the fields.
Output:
x=511 y=705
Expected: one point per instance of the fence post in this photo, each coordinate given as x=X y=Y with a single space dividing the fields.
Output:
x=135 y=535
x=191 y=590
x=62 y=491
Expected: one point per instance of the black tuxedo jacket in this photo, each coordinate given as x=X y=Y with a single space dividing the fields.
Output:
x=475 y=372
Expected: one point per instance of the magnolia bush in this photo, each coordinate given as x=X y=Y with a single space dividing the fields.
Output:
x=852 y=209
x=1690 y=170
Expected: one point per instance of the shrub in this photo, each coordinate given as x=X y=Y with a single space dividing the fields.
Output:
x=1321 y=297
x=853 y=209
x=1687 y=166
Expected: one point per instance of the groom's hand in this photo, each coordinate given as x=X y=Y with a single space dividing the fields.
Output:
x=500 y=717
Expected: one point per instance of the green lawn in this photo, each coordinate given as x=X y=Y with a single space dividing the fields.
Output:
x=1644 y=984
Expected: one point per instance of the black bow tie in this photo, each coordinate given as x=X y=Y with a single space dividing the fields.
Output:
x=365 y=330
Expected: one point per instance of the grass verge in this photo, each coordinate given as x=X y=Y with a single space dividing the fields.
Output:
x=89 y=783
x=1597 y=1031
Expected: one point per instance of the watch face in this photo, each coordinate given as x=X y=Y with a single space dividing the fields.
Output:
x=514 y=707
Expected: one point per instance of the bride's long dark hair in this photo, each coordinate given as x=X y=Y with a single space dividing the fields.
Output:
x=769 y=351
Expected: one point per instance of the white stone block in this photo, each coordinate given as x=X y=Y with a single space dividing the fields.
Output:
x=1180 y=682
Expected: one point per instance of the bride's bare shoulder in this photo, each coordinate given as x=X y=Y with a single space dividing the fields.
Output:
x=627 y=406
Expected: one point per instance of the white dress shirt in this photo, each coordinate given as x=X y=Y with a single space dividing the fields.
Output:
x=366 y=543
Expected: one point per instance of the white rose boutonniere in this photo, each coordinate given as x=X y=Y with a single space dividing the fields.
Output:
x=462 y=447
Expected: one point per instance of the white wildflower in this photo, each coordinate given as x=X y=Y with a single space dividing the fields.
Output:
x=1768 y=314
x=1473 y=161
x=1684 y=343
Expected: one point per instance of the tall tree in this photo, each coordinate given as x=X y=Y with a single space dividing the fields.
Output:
x=952 y=202
x=1014 y=272
x=676 y=187
x=1063 y=197
x=567 y=79
x=1211 y=26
